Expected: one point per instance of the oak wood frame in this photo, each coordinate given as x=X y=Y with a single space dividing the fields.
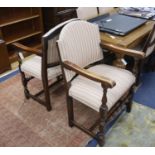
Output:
x=104 y=114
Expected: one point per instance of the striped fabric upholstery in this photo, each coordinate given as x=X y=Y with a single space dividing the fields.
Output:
x=85 y=13
x=52 y=50
x=53 y=35
x=90 y=93
x=151 y=48
x=33 y=67
x=104 y=10
x=79 y=43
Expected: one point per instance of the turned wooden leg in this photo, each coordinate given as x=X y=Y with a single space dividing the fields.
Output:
x=24 y=82
x=101 y=135
x=70 y=110
x=103 y=117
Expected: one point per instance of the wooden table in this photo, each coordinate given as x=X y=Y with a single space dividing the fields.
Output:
x=130 y=40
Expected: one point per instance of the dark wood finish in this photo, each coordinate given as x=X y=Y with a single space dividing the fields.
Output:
x=20 y=24
x=123 y=51
x=27 y=49
x=92 y=76
x=55 y=15
x=4 y=60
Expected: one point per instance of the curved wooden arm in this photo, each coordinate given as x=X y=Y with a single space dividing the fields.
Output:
x=27 y=49
x=90 y=75
x=123 y=51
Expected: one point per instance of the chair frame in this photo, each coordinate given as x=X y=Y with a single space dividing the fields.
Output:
x=141 y=63
x=104 y=114
x=45 y=65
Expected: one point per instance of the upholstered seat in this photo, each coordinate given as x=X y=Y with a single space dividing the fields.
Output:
x=90 y=93
x=33 y=67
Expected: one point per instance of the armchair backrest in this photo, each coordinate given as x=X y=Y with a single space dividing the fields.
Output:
x=50 y=51
x=85 y=13
x=79 y=42
x=149 y=46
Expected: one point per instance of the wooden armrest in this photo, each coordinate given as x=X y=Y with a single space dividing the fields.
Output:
x=123 y=51
x=90 y=75
x=27 y=49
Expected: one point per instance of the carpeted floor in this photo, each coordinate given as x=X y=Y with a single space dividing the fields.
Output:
x=145 y=94
x=26 y=123
x=52 y=127
x=135 y=129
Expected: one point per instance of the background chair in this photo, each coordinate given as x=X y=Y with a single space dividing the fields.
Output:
x=43 y=66
x=104 y=10
x=103 y=88
x=86 y=13
x=147 y=47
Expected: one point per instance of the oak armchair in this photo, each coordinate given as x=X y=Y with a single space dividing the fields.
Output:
x=103 y=88
x=44 y=65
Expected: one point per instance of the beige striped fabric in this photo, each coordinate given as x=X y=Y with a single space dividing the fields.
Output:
x=85 y=13
x=104 y=10
x=79 y=42
x=33 y=67
x=151 y=48
x=90 y=93
x=52 y=52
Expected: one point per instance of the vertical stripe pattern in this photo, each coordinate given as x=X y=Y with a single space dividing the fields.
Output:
x=52 y=52
x=79 y=42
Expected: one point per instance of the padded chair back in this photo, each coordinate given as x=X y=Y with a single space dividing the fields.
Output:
x=50 y=51
x=149 y=46
x=85 y=13
x=104 y=10
x=79 y=42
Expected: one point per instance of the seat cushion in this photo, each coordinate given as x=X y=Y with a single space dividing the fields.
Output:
x=90 y=93
x=32 y=67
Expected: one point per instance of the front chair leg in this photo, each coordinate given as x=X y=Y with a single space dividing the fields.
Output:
x=103 y=116
x=70 y=111
x=101 y=135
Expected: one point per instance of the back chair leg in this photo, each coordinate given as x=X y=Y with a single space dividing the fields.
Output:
x=47 y=95
x=129 y=103
x=70 y=111
x=24 y=82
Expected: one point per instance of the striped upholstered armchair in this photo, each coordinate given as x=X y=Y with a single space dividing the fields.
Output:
x=44 y=65
x=103 y=88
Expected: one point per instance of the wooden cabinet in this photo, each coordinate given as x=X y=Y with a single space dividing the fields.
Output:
x=20 y=24
x=4 y=59
x=25 y=25
x=55 y=15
